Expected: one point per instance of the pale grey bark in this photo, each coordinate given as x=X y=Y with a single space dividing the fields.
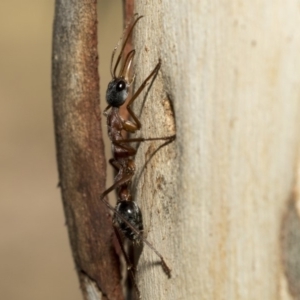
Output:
x=213 y=201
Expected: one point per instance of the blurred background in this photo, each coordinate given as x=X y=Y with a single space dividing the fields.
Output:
x=35 y=257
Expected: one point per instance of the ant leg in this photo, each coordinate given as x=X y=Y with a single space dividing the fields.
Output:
x=115 y=186
x=141 y=139
x=106 y=109
x=164 y=265
x=130 y=267
x=129 y=264
x=114 y=164
x=137 y=93
x=131 y=151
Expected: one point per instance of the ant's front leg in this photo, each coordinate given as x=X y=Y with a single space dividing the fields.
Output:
x=131 y=127
x=130 y=266
x=137 y=93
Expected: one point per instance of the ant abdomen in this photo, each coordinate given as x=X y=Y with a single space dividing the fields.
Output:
x=132 y=214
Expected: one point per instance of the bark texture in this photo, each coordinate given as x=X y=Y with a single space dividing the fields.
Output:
x=217 y=202
x=81 y=162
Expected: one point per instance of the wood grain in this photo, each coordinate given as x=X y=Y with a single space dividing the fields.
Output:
x=213 y=201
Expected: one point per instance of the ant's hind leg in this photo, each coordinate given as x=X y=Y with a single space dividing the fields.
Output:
x=169 y=139
x=130 y=266
x=165 y=267
x=117 y=184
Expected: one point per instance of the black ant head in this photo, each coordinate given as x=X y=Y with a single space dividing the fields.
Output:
x=117 y=92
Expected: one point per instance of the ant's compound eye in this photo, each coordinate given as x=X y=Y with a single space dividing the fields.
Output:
x=121 y=85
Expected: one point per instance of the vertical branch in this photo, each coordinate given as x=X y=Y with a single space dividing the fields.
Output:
x=214 y=211
x=157 y=181
x=80 y=153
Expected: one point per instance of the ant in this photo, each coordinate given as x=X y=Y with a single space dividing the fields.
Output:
x=127 y=214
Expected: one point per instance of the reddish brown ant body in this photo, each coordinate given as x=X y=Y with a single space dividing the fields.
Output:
x=127 y=214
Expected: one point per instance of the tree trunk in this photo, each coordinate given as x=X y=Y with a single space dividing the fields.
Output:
x=81 y=162
x=219 y=202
